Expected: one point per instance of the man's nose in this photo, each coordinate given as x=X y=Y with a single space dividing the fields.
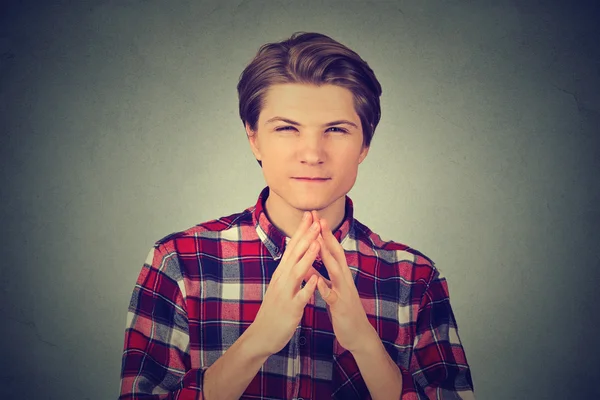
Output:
x=312 y=149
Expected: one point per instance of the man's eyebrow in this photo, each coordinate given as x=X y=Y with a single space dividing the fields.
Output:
x=291 y=122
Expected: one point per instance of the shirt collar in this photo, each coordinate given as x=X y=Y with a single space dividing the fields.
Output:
x=275 y=240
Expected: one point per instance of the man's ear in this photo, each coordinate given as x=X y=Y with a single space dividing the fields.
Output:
x=363 y=154
x=253 y=140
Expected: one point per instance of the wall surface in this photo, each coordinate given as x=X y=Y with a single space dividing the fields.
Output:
x=119 y=125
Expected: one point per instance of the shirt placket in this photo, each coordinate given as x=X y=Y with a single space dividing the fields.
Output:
x=296 y=365
x=305 y=342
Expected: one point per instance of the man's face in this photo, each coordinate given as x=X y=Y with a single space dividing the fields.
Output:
x=307 y=131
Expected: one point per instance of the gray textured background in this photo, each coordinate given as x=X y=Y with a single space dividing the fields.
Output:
x=119 y=125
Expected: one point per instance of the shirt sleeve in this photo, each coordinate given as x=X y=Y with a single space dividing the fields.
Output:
x=156 y=360
x=438 y=364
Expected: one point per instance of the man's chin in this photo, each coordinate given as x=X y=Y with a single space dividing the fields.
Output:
x=306 y=200
x=306 y=203
x=310 y=204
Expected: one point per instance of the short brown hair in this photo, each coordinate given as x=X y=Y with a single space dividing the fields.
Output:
x=310 y=58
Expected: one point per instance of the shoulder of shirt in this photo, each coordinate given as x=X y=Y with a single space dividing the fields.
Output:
x=208 y=228
x=374 y=241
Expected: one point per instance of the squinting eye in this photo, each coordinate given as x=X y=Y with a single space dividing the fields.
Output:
x=341 y=130
x=284 y=128
x=289 y=128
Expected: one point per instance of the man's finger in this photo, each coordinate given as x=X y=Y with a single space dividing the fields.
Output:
x=298 y=272
x=311 y=271
x=335 y=250
x=331 y=240
x=330 y=262
x=327 y=293
x=305 y=224
x=300 y=250
x=315 y=215
x=295 y=251
x=303 y=296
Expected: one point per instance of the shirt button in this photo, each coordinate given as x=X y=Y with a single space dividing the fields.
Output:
x=302 y=342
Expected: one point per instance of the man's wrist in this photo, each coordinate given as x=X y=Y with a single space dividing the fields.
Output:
x=254 y=345
x=370 y=343
x=381 y=374
x=230 y=375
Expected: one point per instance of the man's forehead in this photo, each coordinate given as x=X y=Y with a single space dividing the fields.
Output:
x=300 y=90
x=320 y=104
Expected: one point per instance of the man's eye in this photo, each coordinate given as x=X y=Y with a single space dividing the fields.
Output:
x=290 y=128
x=284 y=128
x=338 y=129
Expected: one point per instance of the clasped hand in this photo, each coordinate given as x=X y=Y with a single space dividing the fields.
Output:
x=284 y=301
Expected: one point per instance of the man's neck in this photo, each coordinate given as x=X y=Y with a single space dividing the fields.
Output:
x=287 y=218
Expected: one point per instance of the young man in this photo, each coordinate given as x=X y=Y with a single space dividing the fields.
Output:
x=293 y=298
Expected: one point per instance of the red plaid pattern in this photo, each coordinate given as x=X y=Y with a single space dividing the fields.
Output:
x=201 y=288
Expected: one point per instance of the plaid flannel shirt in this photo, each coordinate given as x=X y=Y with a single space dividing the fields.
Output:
x=201 y=288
